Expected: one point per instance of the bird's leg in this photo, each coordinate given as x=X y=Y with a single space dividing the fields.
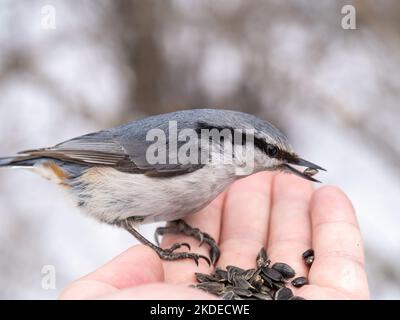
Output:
x=165 y=254
x=181 y=227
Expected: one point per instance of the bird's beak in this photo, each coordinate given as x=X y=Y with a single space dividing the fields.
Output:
x=303 y=163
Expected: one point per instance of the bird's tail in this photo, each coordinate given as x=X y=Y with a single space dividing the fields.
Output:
x=17 y=161
x=4 y=162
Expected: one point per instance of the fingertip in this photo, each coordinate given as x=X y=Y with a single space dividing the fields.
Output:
x=331 y=192
x=330 y=204
x=337 y=242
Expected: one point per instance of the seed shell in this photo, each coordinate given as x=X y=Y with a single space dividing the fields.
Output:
x=310 y=172
x=221 y=274
x=242 y=292
x=240 y=282
x=262 y=259
x=284 y=269
x=272 y=274
x=283 y=294
x=299 y=282
x=212 y=287
x=297 y=298
x=202 y=277
x=308 y=257
x=262 y=296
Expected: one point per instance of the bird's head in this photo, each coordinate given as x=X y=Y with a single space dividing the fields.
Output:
x=275 y=152
x=272 y=150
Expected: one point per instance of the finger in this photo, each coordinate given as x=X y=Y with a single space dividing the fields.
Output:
x=160 y=291
x=245 y=220
x=137 y=265
x=207 y=220
x=290 y=225
x=339 y=254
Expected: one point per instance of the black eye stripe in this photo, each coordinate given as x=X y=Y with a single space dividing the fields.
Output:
x=273 y=151
x=259 y=143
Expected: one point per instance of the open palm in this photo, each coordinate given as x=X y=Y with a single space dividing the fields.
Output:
x=280 y=212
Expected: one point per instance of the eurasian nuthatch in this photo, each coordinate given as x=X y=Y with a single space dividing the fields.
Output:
x=163 y=168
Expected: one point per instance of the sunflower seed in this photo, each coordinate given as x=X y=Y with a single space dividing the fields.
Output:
x=262 y=259
x=307 y=253
x=240 y=282
x=309 y=260
x=256 y=281
x=266 y=290
x=228 y=295
x=248 y=274
x=221 y=274
x=284 y=269
x=267 y=281
x=211 y=287
x=233 y=271
x=283 y=294
x=272 y=274
x=262 y=283
x=297 y=298
x=299 y=282
x=278 y=285
x=262 y=296
x=310 y=172
x=242 y=292
x=202 y=277
x=308 y=257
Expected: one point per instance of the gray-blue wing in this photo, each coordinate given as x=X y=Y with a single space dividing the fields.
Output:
x=106 y=148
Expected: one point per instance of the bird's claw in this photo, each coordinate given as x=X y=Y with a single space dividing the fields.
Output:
x=182 y=227
x=199 y=256
x=204 y=237
x=176 y=246
x=166 y=254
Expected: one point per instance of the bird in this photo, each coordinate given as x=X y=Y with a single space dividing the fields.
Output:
x=163 y=168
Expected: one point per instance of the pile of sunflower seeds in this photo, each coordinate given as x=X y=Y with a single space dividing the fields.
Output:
x=262 y=283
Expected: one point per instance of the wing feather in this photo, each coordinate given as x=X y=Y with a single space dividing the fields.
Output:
x=103 y=148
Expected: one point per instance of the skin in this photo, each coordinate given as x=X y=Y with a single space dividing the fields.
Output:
x=279 y=211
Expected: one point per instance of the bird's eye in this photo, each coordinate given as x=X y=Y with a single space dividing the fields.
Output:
x=272 y=150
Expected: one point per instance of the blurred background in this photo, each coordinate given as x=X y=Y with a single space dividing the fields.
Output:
x=71 y=67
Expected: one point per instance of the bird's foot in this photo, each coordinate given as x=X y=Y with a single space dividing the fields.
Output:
x=165 y=254
x=181 y=227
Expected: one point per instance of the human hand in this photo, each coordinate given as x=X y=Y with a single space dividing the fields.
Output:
x=278 y=211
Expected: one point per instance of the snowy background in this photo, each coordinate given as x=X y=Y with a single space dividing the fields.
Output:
x=335 y=93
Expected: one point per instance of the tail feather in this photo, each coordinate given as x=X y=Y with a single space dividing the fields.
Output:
x=18 y=161
x=6 y=161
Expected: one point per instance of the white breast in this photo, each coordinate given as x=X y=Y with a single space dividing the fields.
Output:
x=111 y=195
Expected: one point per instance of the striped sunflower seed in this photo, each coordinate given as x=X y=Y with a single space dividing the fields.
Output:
x=262 y=259
x=272 y=274
x=284 y=269
x=283 y=294
x=299 y=282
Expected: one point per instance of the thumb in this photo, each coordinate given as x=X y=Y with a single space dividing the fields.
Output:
x=137 y=265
